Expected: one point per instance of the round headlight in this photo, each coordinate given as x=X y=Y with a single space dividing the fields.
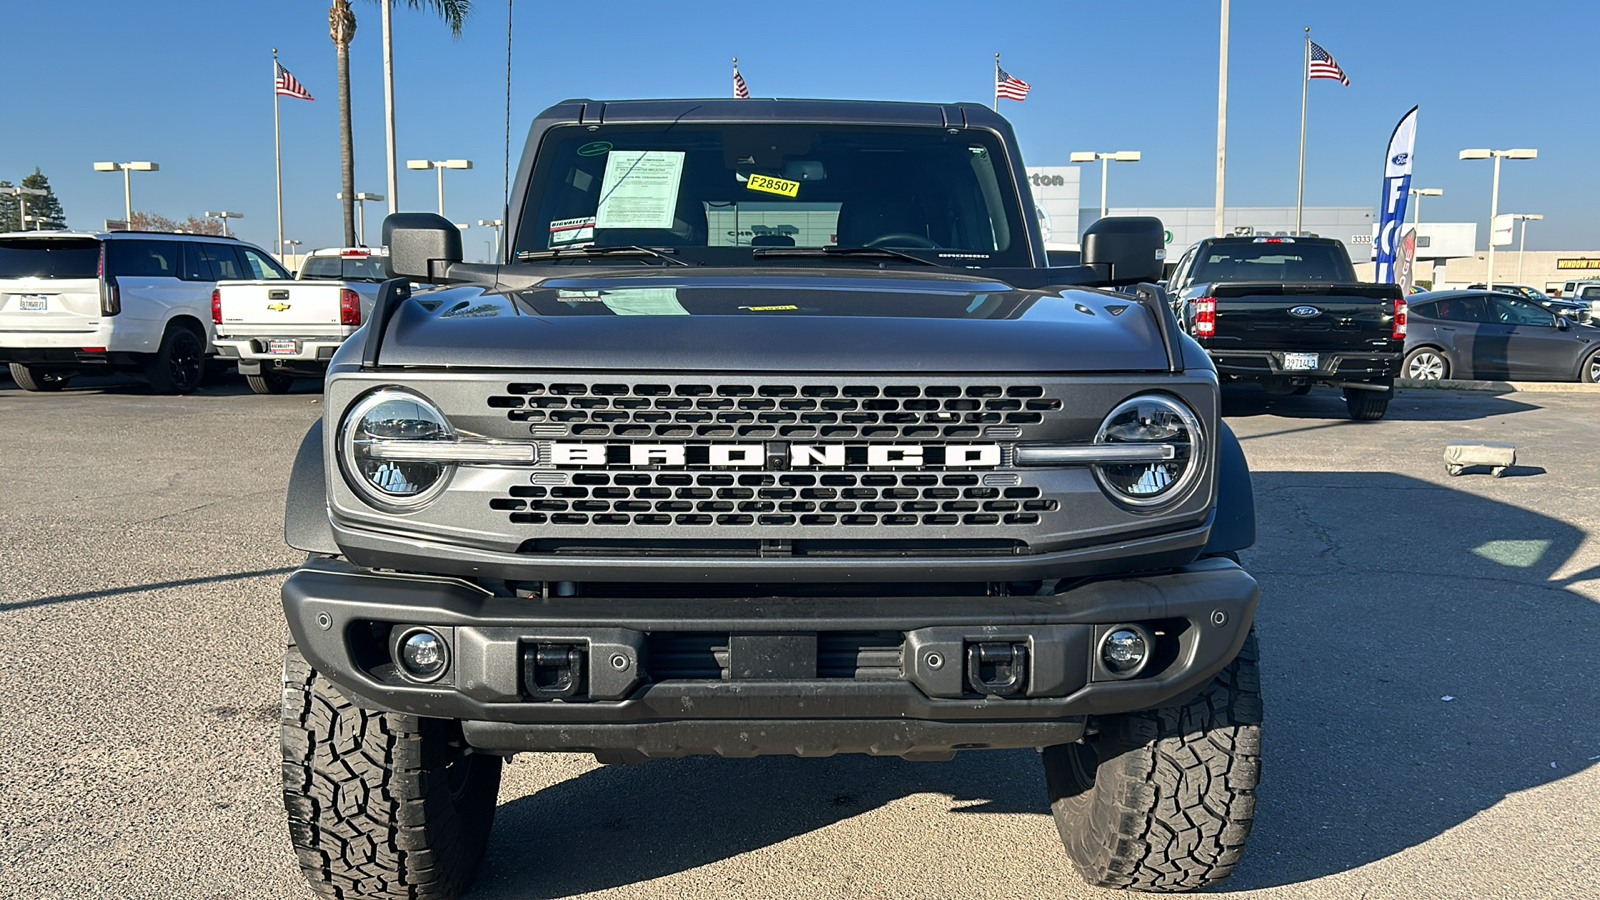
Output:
x=1152 y=419
x=393 y=415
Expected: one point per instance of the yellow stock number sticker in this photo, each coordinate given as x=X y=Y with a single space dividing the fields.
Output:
x=768 y=184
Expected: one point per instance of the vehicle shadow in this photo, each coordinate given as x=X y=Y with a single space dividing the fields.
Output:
x=1367 y=623
x=1409 y=405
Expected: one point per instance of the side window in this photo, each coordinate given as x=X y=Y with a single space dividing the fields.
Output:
x=143 y=259
x=224 y=261
x=195 y=266
x=1181 y=273
x=261 y=266
x=1510 y=311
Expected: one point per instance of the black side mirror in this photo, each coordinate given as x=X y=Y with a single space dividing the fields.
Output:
x=1125 y=249
x=1562 y=324
x=422 y=246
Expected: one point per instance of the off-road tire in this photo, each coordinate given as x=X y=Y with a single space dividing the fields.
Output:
x=1162 y=800
x=270 y=382
x=380 y=805
x=179 y=364
x=1367 y=406
x=33 y=378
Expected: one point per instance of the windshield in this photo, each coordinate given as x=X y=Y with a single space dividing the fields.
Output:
x=344 y=268
x=1275 y=261
x=715 y=193
x=49 y=258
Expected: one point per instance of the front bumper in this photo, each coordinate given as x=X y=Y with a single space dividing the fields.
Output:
x=743 y=676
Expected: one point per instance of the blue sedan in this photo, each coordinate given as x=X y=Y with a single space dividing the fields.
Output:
x=1478 y=334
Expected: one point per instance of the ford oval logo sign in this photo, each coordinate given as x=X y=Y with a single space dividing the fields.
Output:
x=1399 y=159
x=1305 y=312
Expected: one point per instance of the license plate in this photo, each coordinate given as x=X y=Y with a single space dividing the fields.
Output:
x=34 y=303
x=283 y=346
x=1298 y=362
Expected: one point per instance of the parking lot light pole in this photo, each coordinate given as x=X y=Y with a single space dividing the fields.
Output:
x=22 y=194
x=496 y=225
x=361 y=199
x=1416 y=208
x=127 y=189
x=1085 y=156
x=1523 y=243
x=224 y=216
x=440 y=165
x=1494 y=193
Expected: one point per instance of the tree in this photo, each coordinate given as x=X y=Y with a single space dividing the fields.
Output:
x=8 y=210
x=47 y=207
x=146 y=221
x=342 y=29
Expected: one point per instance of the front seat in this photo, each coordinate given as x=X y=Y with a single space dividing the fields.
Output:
x=863 y=219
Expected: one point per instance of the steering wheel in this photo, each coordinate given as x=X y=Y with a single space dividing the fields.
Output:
x=902 y=239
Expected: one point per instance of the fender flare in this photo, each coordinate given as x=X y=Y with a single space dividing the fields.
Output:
x=1233 y=522
x=305 y=515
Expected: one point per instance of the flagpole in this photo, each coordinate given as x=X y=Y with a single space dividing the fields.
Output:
x=997 y=82
x=1222 y=118
x=736 y=78
x=277 y=148
x=1300 y=187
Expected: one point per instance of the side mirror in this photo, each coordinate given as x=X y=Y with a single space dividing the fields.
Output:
x=1562 y=324
x=1125 y=249
x=422 y=246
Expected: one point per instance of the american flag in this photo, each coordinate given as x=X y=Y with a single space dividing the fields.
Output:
x=290 y=86
x=741 y=91
x=1323 y=66
x=1009 y=87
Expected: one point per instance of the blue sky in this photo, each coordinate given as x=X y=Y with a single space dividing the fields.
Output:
x=187 y=83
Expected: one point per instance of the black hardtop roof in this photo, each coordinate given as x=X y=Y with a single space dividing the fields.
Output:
x=1268 y=238
x=729 y=110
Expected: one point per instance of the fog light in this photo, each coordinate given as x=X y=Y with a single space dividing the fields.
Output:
x=1124 y=651
x=423 y=655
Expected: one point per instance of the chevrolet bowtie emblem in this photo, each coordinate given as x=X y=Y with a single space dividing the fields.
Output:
x=278 y=307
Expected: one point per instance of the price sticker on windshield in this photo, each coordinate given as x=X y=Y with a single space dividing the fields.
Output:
x=769 y=185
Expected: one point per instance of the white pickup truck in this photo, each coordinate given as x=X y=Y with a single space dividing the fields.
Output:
x=280 y=329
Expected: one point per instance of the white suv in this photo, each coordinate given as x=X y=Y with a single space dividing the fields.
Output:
x=76 y=302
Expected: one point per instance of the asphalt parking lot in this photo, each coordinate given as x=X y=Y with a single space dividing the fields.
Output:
x=1428 y=646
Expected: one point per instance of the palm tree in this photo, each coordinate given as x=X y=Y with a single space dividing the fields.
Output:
x=342 y=28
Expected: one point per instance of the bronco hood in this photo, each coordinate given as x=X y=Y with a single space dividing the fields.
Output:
x=793 y=320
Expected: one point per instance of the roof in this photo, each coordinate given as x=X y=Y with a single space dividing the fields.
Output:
x=839 y=112
x=104 y=235
x=1270 y=238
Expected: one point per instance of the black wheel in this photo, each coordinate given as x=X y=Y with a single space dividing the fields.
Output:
x=270 y=382
x=1589 y=374
x=380 y=805
x=1425 y=364
x=33 y=378
x=1163 y=800
x=1367 y=405
x=179 y=365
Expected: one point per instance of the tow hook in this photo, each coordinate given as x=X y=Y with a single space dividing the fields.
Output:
x=998 y=669
x=552 y=671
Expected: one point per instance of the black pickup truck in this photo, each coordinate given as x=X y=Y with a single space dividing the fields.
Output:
x=1289 y=313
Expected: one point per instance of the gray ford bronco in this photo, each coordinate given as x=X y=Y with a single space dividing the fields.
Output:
x=773 y=433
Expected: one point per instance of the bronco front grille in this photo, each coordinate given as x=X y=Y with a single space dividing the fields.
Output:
x=842 y=411
x=764 y=498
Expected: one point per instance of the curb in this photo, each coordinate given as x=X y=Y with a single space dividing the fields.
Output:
x=1502 y=387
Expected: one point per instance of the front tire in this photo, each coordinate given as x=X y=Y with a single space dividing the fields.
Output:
x=1588 y=374
x=1426 y=364
x=1367 y=405
x=180 y=363
x=270 y=382
x=380 y=805
x=1163 y=800
x=33 y=378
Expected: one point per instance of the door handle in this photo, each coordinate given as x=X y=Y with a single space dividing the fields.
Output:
x=1444 y=328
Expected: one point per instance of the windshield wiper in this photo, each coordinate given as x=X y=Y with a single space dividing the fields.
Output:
x=577 y=252
x=847 y=252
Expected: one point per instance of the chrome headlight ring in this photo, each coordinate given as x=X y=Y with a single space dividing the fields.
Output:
x=1147 y=419
x=389 y=415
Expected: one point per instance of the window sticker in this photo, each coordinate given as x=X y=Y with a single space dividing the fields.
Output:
x=594 y=148
x=567 y=231
x=639 y=189
x=767 y=184
x=643 y=302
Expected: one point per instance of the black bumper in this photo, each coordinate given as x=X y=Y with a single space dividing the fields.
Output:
x=757 y=675
x=1335 y=365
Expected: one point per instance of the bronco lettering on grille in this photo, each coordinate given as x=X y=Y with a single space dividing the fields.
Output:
x=776 y=455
